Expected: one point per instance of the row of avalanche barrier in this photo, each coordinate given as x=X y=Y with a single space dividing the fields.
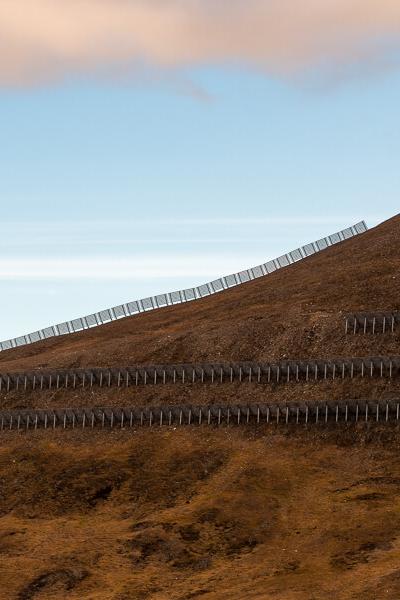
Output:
x=172 y=298
x=350 y=411
x=244 y=372
x=372 y=322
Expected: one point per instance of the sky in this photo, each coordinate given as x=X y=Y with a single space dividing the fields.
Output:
x=151 y=146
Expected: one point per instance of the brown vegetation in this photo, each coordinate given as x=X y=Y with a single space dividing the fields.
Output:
x=229 y=513
x=196 y=513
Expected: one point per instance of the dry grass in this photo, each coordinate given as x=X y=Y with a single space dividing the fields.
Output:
x=216 y=514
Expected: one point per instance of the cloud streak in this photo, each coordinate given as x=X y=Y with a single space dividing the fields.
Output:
x=120 y=269
x=47 y=40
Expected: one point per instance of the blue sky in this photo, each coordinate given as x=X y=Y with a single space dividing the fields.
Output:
x=112 y=190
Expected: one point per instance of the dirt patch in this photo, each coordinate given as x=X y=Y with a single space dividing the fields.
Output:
x=362 y=554
x=53 y=582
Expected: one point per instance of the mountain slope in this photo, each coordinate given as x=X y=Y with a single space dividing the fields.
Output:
x=220 y=513
x=293 y=312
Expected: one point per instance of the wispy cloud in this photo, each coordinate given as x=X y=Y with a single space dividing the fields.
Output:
x=120 y=269
x=45 y=40
x=151 y=223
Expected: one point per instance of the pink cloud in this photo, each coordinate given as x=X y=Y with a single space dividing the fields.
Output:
x=45 y=40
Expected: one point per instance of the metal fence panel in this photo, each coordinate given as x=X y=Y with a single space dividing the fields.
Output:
x=62 y=328
x=335 y=238
x=161 y=300
x=217 y=285
x=296 y=255
x=133 y=307
x=20 y=341
x=283 y=261
x=203 y=290
x=48 y=332
x=35 y=337
x=119 y=311
x=309 y=249
x=77 y=324
x=230 y=281
x=147 y=303
x=360 y=227
x=244 y=276
x=321 y=244
x=105 y=315
x=257 y=272
x=347 y=233
x=91 y=320
x=175 y=297
x=270 y=266
x=189 y=294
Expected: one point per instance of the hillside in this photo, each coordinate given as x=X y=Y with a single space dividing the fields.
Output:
x=224 y=514
x=296 y=311
x=230 y=513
